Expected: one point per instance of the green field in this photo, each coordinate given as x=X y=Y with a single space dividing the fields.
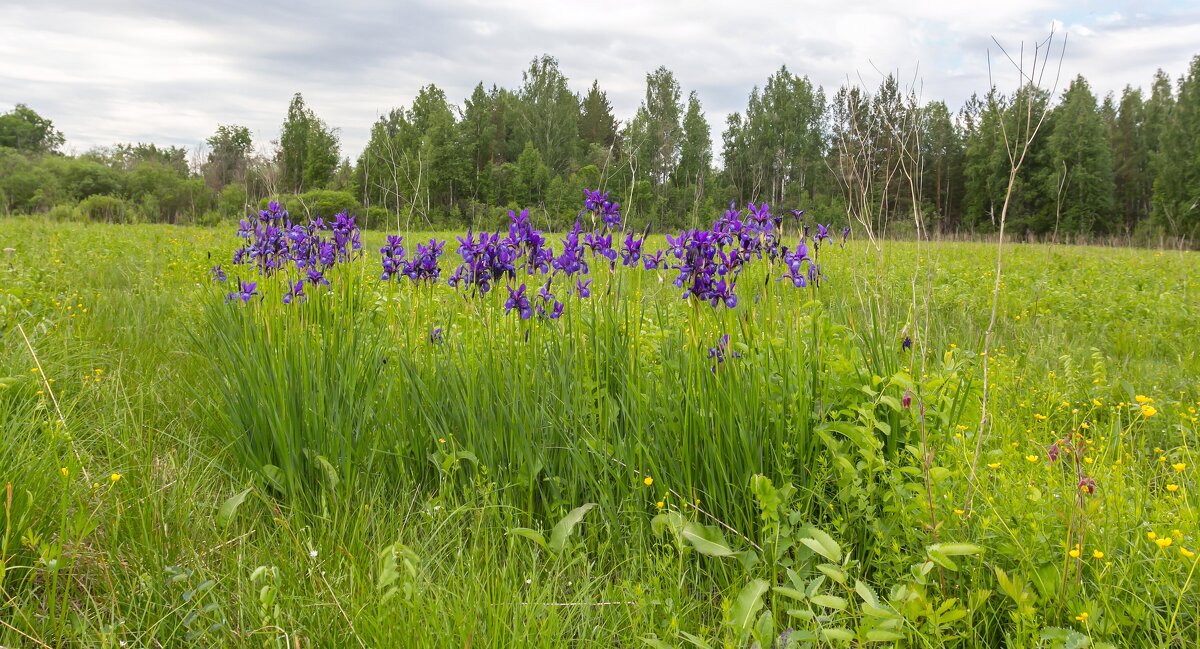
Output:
x=182 y=471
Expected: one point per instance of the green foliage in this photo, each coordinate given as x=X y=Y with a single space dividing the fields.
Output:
x=308 y=148
x=1177 y=182
x=1080 y=163
x=23 y=129
x=106 y=209
x=855 y=546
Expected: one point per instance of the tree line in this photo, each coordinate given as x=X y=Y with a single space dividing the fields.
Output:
x=1126 y=165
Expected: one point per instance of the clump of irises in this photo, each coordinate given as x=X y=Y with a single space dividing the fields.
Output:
x=707 y=262
x=305 y=252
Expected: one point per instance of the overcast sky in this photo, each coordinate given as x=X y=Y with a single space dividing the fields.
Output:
x=168 y=72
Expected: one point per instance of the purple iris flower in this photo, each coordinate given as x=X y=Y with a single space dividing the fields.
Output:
x=652 y=262
x=517 y=300
x=246 y=290
x=906 y=344
x=218 y=274
x=719 y=353
x=296 y=292
x=583 y=288
x=631 y=251
x=597 y=203
x=316 y=277
x=435 y=336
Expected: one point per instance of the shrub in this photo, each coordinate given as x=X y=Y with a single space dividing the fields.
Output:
x=105 y=208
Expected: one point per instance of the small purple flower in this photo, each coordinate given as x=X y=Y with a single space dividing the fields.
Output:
x=246 y=290
x=218 y=274
x=597 y=203
x=1052 y=452
x=720 y=352
x=296 y=292
x=653 y=262
x=906 y=344
x=517 y=300
x=583 y=288
x=906 y=400
x=435 y=336
x=845 y=235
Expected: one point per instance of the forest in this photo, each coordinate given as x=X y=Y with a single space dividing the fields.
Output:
x=1124 y=166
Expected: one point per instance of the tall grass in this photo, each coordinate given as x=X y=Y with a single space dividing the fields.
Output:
x=418 y=543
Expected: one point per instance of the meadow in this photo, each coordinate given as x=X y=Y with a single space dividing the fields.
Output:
x=345 y=460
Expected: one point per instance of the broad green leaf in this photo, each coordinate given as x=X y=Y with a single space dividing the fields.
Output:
x=672 y=522
x=746 y=606
x=833 y=572
x=790 y=593
x=562 y=530
x=936 y=556
x=331 y=475
x=881 y=635
x=229 y=508
x=696 y=641
x=274 y=476
x=764 y=629
x=655 y=643
x=532 y=535
x=829 y=601
x=822 y=544
x=707 y=540
x=864 y=591
x=839 y=634
x=957 y=549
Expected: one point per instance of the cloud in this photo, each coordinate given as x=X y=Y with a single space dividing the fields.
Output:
x=138 y=70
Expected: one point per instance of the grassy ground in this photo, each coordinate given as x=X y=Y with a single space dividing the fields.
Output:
x=147 y=517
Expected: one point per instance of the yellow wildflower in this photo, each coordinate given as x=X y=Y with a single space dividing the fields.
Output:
x=1074 y=553
x=1141 y=398
x=1164 y=542
x=441 y=440
x=1151 y=535
x=115 y=477
x=1031 y=458
x=659 y=504
x=1187 y=554
x=958 y=512
x=1096 y=402
x=648 y=481
x=1082 y=617
x=65 y=472
x=1172 y=488
x=994 y=465
x=1179 y=467
x=1149 y=410
x=1096 y=554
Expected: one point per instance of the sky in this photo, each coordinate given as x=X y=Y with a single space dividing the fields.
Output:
x=168 y=72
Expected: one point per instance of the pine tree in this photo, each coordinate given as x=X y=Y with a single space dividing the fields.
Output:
x=1132 y=177
x=1081 y=163
x=596 y=123
x=1177 y=177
